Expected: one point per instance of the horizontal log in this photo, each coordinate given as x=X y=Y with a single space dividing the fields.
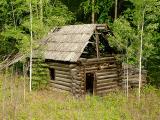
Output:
x=63 y=79
x=99 y=62
x=107 y=76
x=91 y=68
x=80 y=75
x=62 y=87
x=136 y=85
x=58 y=65
x=74 y=70
x=107 y=70
x=91 y=71
x=60 y=68
x=51 y=81
x=132 y=81
x=62 y=64
x=79 y=91
x=62 y=72
x=77 y=82
x=63 y=76
x=107 y=87
x=77 y=78
x=100 y=59
x=108 y=67
x=107 y=80
x=73 y=65
x=76 y=85
x=51 y=84
x=63 y=83
x=106 y=73
x=107 y=84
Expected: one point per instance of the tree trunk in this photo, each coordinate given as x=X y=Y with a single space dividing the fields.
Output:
x=140 y=57
x=93 y=12
x=11 y=84
x=24 y=84
x=116 y=4
x=127 y=74
x=4 y=96
x=41 y=10
x=13 y=15
x=31 y=40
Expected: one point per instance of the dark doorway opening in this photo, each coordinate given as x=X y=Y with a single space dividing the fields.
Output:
x=89 y=82
x=52 y=73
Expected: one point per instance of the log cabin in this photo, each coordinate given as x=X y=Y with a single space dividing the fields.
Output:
x=80 y=59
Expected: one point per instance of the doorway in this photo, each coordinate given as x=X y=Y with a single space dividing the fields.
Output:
x=90 y=83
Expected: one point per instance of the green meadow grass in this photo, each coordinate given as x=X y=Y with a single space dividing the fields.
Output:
x=55 y=105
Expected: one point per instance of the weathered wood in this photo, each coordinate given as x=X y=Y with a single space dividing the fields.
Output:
x=63 y=76
x=100 y=59
x=91 y=68
x=77 y=82
x=77 y=78
x=62 y=72
x=51 y=81
x=62 y=83
x=60 y=68
x=77 y=86
x=107 y=87
x=80 y=91
x=73 y=65
x=61 y=64
x=58 y=64
x=63 y=79
x=107 y=70
x=106 y=73
x=100 y=62
x=107 y=80
x=62 y=87
x=97 y=45
x=107 y=84
x=107 y=76
x=108 y=67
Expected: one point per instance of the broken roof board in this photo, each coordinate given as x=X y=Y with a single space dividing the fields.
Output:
x=68 y=43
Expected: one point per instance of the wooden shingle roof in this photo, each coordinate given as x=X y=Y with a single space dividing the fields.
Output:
x=68 y=42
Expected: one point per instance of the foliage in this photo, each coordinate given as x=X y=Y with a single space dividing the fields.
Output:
x=102 y=9
x=127 y=31
x=123 y=39
x=15 y=22
x=40 y=76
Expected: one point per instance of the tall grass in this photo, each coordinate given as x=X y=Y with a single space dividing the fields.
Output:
x=55 y=105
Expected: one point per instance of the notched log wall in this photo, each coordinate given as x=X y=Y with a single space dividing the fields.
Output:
x=63 y=76
x=72 y=77
x=107 y=73
x=133 y=77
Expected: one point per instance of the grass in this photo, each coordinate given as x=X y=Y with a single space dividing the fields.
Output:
x=55 y=105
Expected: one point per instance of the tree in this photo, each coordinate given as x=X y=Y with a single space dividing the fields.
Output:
x=101 y=10
x=31 y=43
x=116 y=2
x=17 y=13
x=143 y=19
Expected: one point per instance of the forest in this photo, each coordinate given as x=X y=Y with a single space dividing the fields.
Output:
x=135 y=25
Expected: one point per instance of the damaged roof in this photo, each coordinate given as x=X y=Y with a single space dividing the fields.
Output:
x=68 y=42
